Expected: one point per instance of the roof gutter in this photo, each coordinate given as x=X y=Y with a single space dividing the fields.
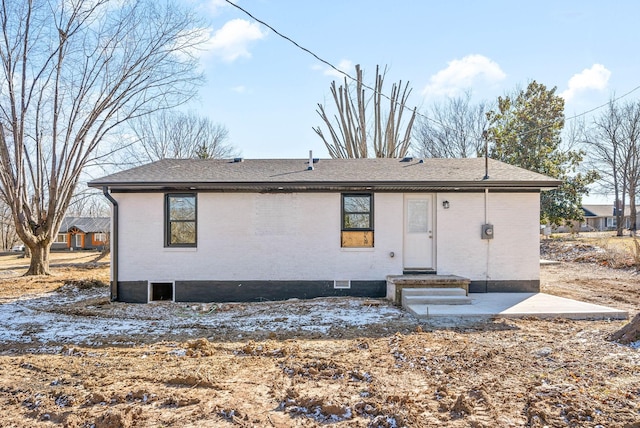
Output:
x=333 y=185
x=114 y=245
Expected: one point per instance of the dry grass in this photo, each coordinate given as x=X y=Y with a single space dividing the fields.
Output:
x=595 y=238
x=77 y=267
x=620 y=251
x=18 y=261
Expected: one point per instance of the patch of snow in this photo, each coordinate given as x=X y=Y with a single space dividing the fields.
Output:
x=62 y=317
x=386 y=421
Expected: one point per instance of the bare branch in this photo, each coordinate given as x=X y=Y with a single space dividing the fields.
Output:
x=456 y=130
x=171 y=134
x=349 y=132
x=73 y=73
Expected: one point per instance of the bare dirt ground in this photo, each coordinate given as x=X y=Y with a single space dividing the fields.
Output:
x=69 y=357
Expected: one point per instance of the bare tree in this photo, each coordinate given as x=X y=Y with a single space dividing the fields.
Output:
x=614 y=143
x=73 y=72
x=88 y=203
x=631 y=134
x=452 y=129
x=8 y=235
x=171 y=134
x=350 y=136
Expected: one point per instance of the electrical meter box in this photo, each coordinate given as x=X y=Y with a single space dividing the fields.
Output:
x=487 y=231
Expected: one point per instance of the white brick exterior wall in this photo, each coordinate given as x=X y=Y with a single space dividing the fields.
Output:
x=513 y=254
x=252 y=236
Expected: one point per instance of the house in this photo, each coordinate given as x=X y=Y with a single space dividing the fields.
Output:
x=82 y=233
x=603 y=217
x=269 y=229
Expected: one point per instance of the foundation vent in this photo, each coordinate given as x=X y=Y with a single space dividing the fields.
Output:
x=342 y=284
x=161 y=291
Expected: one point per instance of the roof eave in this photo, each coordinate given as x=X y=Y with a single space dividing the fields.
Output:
x=330 y=186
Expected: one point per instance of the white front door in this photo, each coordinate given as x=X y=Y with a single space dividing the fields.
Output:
x=418 y=231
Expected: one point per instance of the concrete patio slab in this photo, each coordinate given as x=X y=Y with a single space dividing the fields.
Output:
x=519 y=305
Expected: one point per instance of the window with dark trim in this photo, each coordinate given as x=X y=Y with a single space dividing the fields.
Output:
x=357 y=220
x=180 y=220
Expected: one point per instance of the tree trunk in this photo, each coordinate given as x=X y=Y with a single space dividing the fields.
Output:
x=620 y=212
x=632 y=211
x=39 y=264
x=629 y=333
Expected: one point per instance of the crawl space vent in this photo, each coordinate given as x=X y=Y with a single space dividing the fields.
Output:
x=161 y=291
x=341 y=284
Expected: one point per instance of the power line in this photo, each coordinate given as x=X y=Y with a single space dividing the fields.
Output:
x=290 y=40
x=324 y=61
x=584 y=113
x=375 y=91
x=603 y=105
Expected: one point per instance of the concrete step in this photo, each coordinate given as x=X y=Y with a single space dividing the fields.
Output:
x=435 y=300
x=446 y=312
x=397 y=283
x=419 y=272
x=428 y=291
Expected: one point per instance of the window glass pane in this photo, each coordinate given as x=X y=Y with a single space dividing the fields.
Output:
x=357 y=204
x=356 y=221
x=183 y=232
x=180 y=223
x=417 y=219
x=182 y=207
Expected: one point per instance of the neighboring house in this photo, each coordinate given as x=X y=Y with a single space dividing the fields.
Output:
x=83 y=233
x=602 y=217
x=247 y=230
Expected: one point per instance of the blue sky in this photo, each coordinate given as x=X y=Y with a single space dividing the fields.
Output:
x=266 y=91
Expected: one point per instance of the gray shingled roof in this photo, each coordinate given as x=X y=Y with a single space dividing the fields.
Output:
x=328 y=174
x=602 y=210
x=85 y=224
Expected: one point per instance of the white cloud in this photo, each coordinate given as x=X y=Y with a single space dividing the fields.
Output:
x=216 y=5
x=209 y=7
x=596 y=77
x=462 y=74
x=344 y=65
x=232 y=40
x=241 y=89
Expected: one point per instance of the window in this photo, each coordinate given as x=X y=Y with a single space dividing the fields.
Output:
x=61 y=238
x=180 y=220
x=357 y=220
x=356 y=212
x=99 y=237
